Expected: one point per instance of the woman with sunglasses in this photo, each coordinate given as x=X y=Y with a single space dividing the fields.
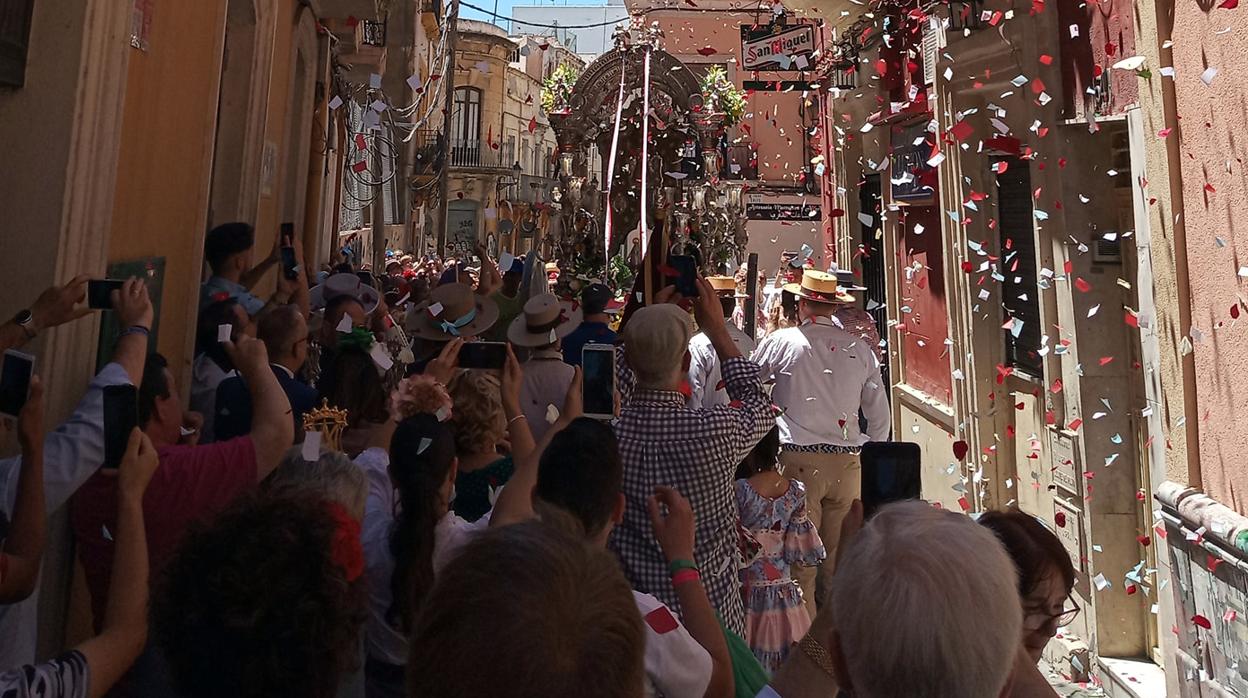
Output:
x=1045 y=580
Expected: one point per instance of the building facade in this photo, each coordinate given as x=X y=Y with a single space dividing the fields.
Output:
x=588 y=42
x=1013 y=187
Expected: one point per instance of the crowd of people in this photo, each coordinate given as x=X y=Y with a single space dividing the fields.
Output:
x=353 y=507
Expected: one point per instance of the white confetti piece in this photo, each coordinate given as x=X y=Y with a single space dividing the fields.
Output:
x=1207 y=76
x=552 y=414
x=425 y=442
x=381 y=357
x=1101 y=582
x=345 y=325
x=311 y=451
x=224 y=332
x=105 y=532
x=435 y=309
x=1093 y=310
x=335 y=102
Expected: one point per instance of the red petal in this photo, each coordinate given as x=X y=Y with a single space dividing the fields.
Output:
x=960 y=449
x=1202 y=621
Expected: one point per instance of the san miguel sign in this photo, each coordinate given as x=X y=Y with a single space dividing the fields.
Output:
x=779 y=48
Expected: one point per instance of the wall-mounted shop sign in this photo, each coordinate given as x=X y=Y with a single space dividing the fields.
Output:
x=777 y=48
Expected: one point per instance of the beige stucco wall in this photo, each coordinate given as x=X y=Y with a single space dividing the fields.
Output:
x=1215 y=201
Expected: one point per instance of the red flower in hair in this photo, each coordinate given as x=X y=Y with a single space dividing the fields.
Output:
x=219 y=296
x=345 y=549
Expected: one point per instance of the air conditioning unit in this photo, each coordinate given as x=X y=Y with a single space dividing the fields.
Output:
x=933 y=42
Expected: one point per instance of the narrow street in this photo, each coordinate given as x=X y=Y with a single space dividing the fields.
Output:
x=1013 y=227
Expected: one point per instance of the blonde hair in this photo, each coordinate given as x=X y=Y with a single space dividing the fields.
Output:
x=947 y=590
x=477 y=414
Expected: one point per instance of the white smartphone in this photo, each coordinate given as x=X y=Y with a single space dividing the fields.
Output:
x=598 y=388
x=15 y=382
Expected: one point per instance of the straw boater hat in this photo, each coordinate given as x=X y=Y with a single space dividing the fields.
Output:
x=545 y=320
x=339 y=285
x=453 y=310
x=820 y=287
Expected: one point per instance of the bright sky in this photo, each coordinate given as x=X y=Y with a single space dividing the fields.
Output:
x=504 y=8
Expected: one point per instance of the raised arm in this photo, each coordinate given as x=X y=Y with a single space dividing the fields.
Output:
x=252 y=276
x=518 y=431
x=750 y=415
x=134 y=315
x=55 y=306
x=490 y=280
x=110 y=654
x=19 y=562
x=515 y=502
x=675 y=533
x=272 y=429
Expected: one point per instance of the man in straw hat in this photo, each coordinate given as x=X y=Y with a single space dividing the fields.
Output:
x=541 y=326
x=823 y=376
x=856 y=320
x=706 y=387
x=452 y=311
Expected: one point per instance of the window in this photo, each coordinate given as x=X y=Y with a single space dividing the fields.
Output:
x=14 y=40
x=466 y=120
x=1020 y=291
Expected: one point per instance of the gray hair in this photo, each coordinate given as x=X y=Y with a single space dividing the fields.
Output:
x=333 y=475
x=926 y=604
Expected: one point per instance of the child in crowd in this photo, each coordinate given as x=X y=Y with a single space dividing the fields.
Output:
x=773 y=511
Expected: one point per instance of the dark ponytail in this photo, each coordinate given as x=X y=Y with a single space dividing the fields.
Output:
x=421 y=455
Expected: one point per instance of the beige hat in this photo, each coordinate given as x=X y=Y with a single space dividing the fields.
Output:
x=453 y=310
x=820 y=287
x=656 y=338
x=545 y=320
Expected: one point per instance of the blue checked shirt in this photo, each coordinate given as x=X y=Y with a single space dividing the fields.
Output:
x=695 y=452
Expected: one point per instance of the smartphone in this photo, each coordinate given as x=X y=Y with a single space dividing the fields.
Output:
x=15 y=381
x=100 y=293
x=490 y=356
x=598 y=386
x=290 y=268
x=121 y=416
x=686 y=274
x=890 y=473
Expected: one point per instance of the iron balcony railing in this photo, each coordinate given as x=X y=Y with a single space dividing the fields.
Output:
x=372 y=33
x=480 y=155
x=427 y=152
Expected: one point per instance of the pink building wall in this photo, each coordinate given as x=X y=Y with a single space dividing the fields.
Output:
x=1213 y=150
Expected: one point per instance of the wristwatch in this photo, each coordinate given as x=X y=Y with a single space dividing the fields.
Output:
x=26 y=320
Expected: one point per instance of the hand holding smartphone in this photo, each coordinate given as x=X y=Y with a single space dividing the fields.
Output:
x=598 y=386
x=100 y=293
x=290 y=265
x=489 y=356
x=686 y=274
x=15 y=375
x=891 y=472
x=121 y=416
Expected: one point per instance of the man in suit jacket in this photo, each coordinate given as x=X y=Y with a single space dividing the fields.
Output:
x=285 y=334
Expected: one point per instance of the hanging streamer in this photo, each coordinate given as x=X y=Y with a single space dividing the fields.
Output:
x=645 y=152
x=615 y=145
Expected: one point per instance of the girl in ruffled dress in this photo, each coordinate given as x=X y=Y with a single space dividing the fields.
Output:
x=773 y=512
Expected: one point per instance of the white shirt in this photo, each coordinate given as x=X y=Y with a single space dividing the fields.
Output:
x=705 y=380
x=676 y=665
x=823 y=375
x=383 y=641
x=206 y=375
x=545 y=383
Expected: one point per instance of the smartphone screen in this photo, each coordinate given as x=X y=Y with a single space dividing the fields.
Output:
x=598 y=388
x=15 y=381
x=290 y=268
x=483 y=355
x=890 y=473
x=121 y=416
x=100 y=293
x=686 y=274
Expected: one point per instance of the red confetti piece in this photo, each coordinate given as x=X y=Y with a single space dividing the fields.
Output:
x=1046 y=59
x=1057 y=386
x=1068 y=266
x=661 y=620
x=1202 y=621
x=1075 y=424
x=1001 y=167
x=1228 y=4
x=1209 y=188
x=359 y=166
x=1106 y=359
x=1164 y=132
x=960 y=449
x=962 y=130
x=1144 y=540
x=708 y=51
x=1059 y=518
x=1235 y=311
x=1082 y=285
x=966 y=506
x=1132 y=319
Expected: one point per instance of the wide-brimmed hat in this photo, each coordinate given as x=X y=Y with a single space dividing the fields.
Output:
x=453 y=310
x=845 y=278
x=545 y=320
x=339 y=285
x=820 y=287
x=722 y=284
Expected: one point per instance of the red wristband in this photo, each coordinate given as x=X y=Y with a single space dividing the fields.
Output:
x=683 y=576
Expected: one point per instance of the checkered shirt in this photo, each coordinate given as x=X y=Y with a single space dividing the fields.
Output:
x=696 y=452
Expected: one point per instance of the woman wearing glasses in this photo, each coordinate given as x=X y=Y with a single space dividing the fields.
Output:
x=1045 y=580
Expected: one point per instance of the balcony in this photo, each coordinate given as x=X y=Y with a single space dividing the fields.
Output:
x=427 y=152
x=478 y=155
x=739 y=163
x=361 y=44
